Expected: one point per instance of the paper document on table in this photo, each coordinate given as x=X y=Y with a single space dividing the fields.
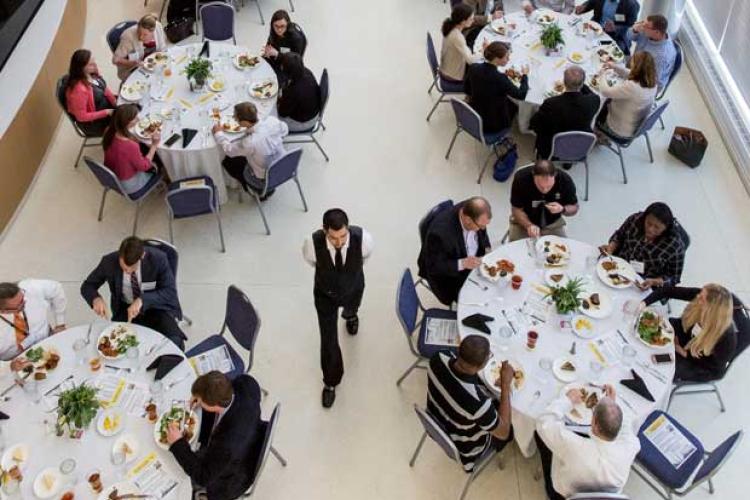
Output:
x=151 y=478
x=110 y=387
x=605 y=350
x=670 y=441
x=134 y=397
x=441 y=331
x=217 y=358
x=536 y=305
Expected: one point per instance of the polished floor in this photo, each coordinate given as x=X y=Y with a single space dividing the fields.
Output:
x=387 y=167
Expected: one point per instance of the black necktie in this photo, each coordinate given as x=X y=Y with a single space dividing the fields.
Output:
x=339 y=261
x=135 y=286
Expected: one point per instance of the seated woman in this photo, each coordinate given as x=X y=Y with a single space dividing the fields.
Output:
x=299 y=100
x=455 y=53
x=123 y=154
x=488 y=89
x=630 y=101
x=651 y=243
x=261 y=146
x=87 y=96
x=137 y=42
x=705 y=340
x=285 y=36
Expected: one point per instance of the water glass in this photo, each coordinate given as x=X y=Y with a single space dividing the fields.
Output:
x=628 y=355
x=157 y=391
x=79 y=347
x=596 y=370
x=504 y=332
x=118 y=459
x=31 y=389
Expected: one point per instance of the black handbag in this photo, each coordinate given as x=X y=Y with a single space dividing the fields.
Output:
x=688 y=145
x=179 y=29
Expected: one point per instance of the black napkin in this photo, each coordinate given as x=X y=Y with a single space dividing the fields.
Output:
x=187 y=136
x=638 y=386
x=164 y=364
x=3 y=416
x=478 y=322
x=206 y=49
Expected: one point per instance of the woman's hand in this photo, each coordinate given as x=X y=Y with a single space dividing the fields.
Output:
x=155 y=138
x=678 y=349
x=270 y=51
x=650 y=283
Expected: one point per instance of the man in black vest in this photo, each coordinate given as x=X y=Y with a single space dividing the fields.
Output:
x=337 y=252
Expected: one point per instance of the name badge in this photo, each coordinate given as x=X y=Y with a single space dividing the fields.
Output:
x=148 y=286
x=284 y=50
x=619 y=18
x=697 y=330
x=638 y=266
x=536 y=203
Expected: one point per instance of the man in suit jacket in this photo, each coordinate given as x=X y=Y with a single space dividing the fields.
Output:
x=615 y=16
x=141 y=286
x=455 y=243
x=231 y=436
x=574 y=109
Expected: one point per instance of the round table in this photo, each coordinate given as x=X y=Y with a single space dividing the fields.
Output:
x=93 y=451
x=202 y=156
x=544 y=71
x=499 y=300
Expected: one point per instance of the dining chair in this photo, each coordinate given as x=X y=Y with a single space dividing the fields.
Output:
x=173 y=258
x=424 y=226
x=282 y=170
x=267 y=448
x=603 y=495
x=87 y=140
x=620 y=143
x=109 y=182
x=675 y=71
x=243 y=323
x=217 y=22
x=408 y=307
x=700 y=467
x=191 y=197
x=573 y=147
x=310 y=134
x=114 y=33
x=433 y=429
x=201 y=3
x=442 y=85
x=469 y=121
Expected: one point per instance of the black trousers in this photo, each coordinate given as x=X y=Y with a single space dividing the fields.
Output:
x=545 y=454
x=327 y=308
x=157 y=319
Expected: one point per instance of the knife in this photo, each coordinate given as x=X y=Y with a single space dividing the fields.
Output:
x=509 y=323
x=484 y=288
x=124 y=368
x=58 y=385
x=622 y=336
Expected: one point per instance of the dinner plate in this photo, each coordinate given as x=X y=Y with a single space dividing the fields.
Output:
x=116 y=423
x=263 y=90
x=576 y=57
x=157 y=433
x=127 y=329
x=610 y=76
x=152 y=61
x=230 y=126
x=485 y=269
x=667 y=331
x=501 y=27
x=583 y=327
x=123 y=488
x=129 y=445
x=546 y=17
x=217 y=85
x=622 y=267
x=492 y=373
x=236 y=62
x=133 y=91
x=564 y=375
x=7 y=461
x=144 y=123
x=548 y=245
x=549 y=273
x=55 y=479
x=40 y=366
x=605 y=307
x=593 y=26
x=582 y=415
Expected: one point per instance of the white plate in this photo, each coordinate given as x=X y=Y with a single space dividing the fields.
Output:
x=492 y=373
x=563 y=249
x=123 y=488
x=115 y=417
x=623 y=268
x=217 y=85
x=572 y=57
x=144 y=123
x=7 y=462
x=594 y=27
x=502 y=28
x=228 y=120
x=165 y=446
x=133 y=91
x=151 y=60
x=580 y=329
x=584 y=414
x=546 y=17
x=605 y=307
x=236 y=62
x=132 y=443
x=107 y=331
x=269 y=93
x=484 y=272
x=564 y=375
x=666 y=329
x=552 y=272
x=40 y=490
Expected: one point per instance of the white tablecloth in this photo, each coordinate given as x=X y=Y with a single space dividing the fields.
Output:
x=92 y=451
x=202 y=156
x=544 y=70
x=555 y=342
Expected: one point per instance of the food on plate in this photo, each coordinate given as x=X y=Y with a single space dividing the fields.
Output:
x=502 y=268
x=557 y=278
x=609 y=265
x=576 y=57
x=514 y=75
x=40 y=376
x=591 y=401
x=593 y=301
x=119 y=339
x=617 y=54
x=519 y=377
x=148 y=126
x=15 y=473
x=35 y=354
x=263 y=89
x=95 y=364
x=568 y=367
x=216 y=113
x=604 y=55
x=618 y=279
x=151 y=412
x=19 y=454
x=583 y=323
x=68 y=495
x=48 y=481
x=576 y=414
x=177 y=414
x=217 y=85
x=125 y=449
x=592 y=26
x=247 y=61
x=95 y=481
x=651 y=329
x=546 y=18
x=111 y=422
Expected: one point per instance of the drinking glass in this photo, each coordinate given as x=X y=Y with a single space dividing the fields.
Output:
x=628 y=355
x=79 y=347
x=596 y=369
x=504 y=332
x=31 y=389
x=157 y=391
x=118 y=459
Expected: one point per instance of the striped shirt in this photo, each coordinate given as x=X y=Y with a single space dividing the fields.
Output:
x=460 y=405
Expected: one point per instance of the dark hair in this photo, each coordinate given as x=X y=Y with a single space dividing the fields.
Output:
x=659 y=23
x=474 y=350
x=643 y=69
x=335 y=219
x=495 y=50
x=121 y=118
x=214 y=388
x=544 y=168
x=131 y=250
x=291 y=64
x=475 y=207
x=8 y=291
x=246 y=111
x=78 y=62
x=662 y=212
x=278 y=16
x=460 y=13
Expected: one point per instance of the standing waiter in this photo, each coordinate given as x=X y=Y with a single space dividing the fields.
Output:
x=337 y=252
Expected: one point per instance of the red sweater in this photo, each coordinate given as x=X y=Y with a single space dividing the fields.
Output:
x=125 y=159
x=80 y=100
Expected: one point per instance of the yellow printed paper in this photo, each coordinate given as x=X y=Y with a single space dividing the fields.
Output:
x=115 y=395
x=562 y=61
x=179 y=61
x=185 y=103
x=169 y=94
x=205 y=98
x=142 y=464
x=535 y=46
x=598 y=354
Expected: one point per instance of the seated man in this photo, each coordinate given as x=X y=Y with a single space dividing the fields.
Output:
x=564 y=6
x=651 y=36
x=455 y=242
x=24 y=311
x=231 y=436
x=573 y=463
x=615 y=16
x=457 y=399
x=573 y=110
x=484 y=12
x=141 y=286
x=539 y=197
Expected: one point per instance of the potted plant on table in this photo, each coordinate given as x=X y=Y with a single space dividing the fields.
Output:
x=552 y=39
x=567 y=298
x=76 y=409
x=197 y=71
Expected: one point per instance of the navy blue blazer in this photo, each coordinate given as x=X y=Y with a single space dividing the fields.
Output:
x=628 y=8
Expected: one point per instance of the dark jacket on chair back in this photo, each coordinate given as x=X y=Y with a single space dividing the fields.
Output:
x=489 y=90
x=563 y=113
x=330 y=282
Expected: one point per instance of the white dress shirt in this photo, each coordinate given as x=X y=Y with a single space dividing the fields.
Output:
x=308 y=249
x=127 y=286
x=471 y=241
x=585 y=464
x=41 y=296
x=262 y=146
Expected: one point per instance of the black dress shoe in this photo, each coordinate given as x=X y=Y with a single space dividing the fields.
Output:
x=567 y=166
x=352 y=325
x=328 y=396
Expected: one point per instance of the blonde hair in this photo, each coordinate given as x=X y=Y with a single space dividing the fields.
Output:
x=714 y=318
x=148 y=22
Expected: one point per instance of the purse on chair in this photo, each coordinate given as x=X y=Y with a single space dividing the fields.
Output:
x=179 y=29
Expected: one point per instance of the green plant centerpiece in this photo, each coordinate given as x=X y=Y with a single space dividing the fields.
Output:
x=198 y=71
x=567 y=298
x=552 y=39
x=76 y=409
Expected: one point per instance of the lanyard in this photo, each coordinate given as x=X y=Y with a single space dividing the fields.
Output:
x=12 y=325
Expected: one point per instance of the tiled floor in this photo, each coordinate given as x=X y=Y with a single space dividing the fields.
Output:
x=387 y=168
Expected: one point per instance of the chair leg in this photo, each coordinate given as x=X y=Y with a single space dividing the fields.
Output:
x=419 y=448
x=586 y=167
x=187 y=320
x=221 y=232
x=262 y=213
x=429 y=90
x=407 y=372
x=484 y=167
x=80 y=152
x=622 y=165
x=301 y=194
x=260 y=12
x=661 y=122
x=291 y=5
x=711 y=486
x=453 y=141
x=101 y=205
x=320 y=147
x=163 y=6
x=648 y=145
x=171 y=233
x=440 y=99
x=278 y=456
x=468 y=482
x=718 y=396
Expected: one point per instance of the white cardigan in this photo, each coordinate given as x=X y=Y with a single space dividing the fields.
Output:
x=630 y=104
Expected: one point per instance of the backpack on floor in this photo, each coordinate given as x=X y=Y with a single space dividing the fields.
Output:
x=506 y=160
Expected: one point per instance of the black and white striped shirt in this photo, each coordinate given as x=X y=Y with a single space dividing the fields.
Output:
x=462 y=408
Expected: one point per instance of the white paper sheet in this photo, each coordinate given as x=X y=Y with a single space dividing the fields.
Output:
x=670 y=441
x=441 y=331
x=217 y=358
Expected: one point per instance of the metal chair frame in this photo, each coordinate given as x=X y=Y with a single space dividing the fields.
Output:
x=267 y=448
x=584 y=160
x=199 y=7
x=160 y=244
x=318 y=123
x=603 y=495
x=215 y=209
x=444 y=96
x=409 y=334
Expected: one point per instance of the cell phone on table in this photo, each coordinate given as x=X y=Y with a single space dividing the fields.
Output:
x=661 y=358
x=172 y=140
x=605 y=42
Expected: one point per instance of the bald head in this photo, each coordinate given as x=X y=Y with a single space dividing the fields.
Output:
x=475 y=213
x=607 y=419
x=573 y=78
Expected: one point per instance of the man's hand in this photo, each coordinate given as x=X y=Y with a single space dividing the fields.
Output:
x=637 y=27
x=174 y=433
x=528 y=8
x=533 y=231
x=554 y=207
x=575 y=396
x=58 y=328
x=607 y=249
x=650 y=283
x=471 y=262
x=134 y=309
x=506 y=376
x=609 y=26
x=19 y=364
x=609 y=391
x=99 y=307
x=579 y=9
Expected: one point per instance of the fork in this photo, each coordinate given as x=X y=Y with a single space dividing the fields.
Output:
x=172 y=384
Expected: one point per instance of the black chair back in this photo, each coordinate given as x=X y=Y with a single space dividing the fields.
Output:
x=424 y=224
x=741 y=320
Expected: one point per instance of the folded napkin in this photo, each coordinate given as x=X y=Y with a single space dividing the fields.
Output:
x=637 y=385
x=164 y=364
x=187 y=136
x=206 y=49
x=3 y=416
x=478 y=322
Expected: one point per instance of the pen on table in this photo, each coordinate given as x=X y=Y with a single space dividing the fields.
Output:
x=509 y=323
